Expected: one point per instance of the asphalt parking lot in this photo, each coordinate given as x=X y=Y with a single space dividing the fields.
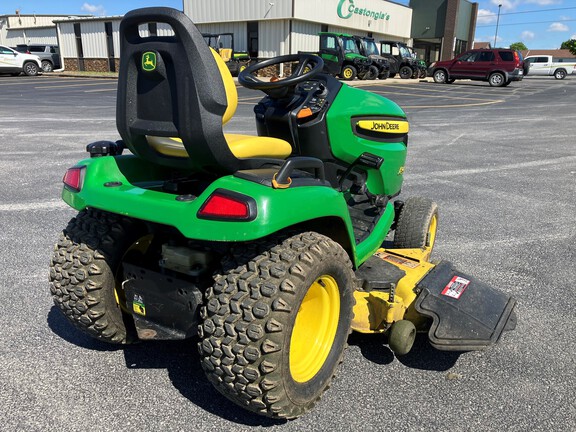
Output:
x=500 y=162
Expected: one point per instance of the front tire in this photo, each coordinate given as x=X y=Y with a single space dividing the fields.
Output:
x=406 y=72
x=417 y=224
x=274 y=330
x=30 y=68
x=83 y=274
x=348 y=73
x=371 y=73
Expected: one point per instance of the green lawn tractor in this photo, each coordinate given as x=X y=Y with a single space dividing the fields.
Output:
x=269 y=249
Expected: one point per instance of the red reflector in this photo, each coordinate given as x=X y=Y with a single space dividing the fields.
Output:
x=73 y=178
x=227 y=205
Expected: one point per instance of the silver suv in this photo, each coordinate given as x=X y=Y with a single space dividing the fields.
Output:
x=49 y=55
x=14 y=62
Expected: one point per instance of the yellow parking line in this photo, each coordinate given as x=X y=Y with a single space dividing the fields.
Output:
x=492 y=102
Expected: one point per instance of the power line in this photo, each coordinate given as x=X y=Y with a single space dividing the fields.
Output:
x=525 y=23
x=525 y=12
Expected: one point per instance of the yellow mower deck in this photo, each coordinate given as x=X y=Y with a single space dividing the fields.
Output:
x=460 y=312
x=375 y=310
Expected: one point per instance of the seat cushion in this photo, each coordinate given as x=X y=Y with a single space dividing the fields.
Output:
x=241 y=146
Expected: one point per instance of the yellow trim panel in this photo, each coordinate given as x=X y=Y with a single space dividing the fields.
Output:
x=384 y=126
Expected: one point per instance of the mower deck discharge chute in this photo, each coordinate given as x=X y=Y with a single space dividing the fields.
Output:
x=269 y=248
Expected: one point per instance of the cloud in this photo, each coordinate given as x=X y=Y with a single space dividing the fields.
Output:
x=527 y=35
x=558 y=27
x=485 y=16
x=543 y=2
x=93 y=9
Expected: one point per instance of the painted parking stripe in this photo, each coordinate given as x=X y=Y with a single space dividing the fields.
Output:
x=47 y=205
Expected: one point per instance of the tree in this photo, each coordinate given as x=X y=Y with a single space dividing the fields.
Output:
x=569 y=45
x=518 y=46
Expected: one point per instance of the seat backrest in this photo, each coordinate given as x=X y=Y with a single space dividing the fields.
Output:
x=174 y=86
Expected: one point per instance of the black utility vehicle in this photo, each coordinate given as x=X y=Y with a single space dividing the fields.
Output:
x=368 y=48
x=400 y=58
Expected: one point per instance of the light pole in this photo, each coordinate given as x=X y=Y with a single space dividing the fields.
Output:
x=497 y=22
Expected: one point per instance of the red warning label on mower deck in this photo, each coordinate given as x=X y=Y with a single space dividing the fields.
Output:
x=455 y=287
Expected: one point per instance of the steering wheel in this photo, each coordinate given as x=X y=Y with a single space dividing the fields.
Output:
x=309 y=65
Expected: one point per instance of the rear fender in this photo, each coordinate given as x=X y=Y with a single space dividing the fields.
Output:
x=129 y=186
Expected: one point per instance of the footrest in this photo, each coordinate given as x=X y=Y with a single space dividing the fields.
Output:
x=466 y=314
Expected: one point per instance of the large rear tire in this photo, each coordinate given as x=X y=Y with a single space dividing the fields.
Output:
x=274 y=330
x=83 y=274
x=497 y=79
x=417 y=224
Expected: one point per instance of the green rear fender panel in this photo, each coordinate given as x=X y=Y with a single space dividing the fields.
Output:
x=276 y=208
x=352 y=103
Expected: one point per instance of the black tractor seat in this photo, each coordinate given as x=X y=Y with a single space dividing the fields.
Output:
x=174 y=95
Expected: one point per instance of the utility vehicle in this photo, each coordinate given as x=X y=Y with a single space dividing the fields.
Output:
x=368 y=48
x=400 y=57
x=342 y=57
x=268 y=248
x=223 y=44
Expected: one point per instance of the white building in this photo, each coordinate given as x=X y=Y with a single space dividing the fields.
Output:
x=269 y=28
x=264 y=28
x=20 y=29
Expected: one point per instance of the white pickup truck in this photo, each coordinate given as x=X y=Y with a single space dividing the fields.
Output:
x=549 y=66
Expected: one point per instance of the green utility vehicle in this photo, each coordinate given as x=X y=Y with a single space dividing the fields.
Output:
x=400 y=57
x=269 y=249
x=342 y=57
x=223 y=44
x=368 y=48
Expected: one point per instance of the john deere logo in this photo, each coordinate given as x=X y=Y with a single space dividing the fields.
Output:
x=149 y=61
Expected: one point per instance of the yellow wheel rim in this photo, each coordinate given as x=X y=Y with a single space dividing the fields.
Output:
x=431 y=236
x=314 y=329
x=347 y=73
x=242 y=68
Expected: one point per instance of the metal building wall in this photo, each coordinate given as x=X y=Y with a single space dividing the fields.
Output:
x=208 y=11
x=93 y=39
x=273 y=38
x=15 y=21
x=301 y=36
x=67 y=40
x=31 y=36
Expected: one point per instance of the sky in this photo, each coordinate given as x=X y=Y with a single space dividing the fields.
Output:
x=539 y=24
